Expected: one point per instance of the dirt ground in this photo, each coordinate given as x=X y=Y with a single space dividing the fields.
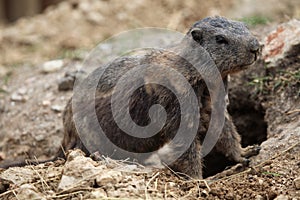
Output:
x=31 y=107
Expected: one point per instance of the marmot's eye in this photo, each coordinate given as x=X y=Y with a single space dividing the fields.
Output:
x=221 y=39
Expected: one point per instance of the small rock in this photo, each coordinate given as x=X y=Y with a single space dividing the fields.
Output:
x=297 y=183
x=282 y=43
x=259 y=197
x=95 y=18
x=57 y=108
x=111 y=177
x=104 y=179
x=75 y=154
x=39 y=137
x=78 y=169
x=18 y=97
x=28 y=191
x=70 y=43
x=85 y=7
x=99 y=193
x=17 y=175
x=4 y=89
x=204 y=193
x=22 y=91
x=172 y=184
x=67 y=182
x=4 y=71
x=2 y=156
x=67 y=82
x=52 y=66
x=282 y=197
x=260 y=181
x=46 y=103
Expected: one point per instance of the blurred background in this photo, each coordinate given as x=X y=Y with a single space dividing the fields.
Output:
x=11 y=10
x=33 y=31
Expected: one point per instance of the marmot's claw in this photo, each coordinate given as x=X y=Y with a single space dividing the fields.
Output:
x=256 y=149
x=246 y=162
x=251 y=151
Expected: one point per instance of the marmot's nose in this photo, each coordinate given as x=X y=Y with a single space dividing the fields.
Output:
x=254 y=46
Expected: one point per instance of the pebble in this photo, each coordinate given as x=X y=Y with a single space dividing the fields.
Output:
x=111 y=177
x=39 y=137
x=259 y=197
x=297 y=183
x=204 y=193
x=28 y=191
x=46 y=103
x=95 y=18
x=3 y=71
x=18 y=97
x=52 y=66
x=104 y=179
x=22 y=91
x=57 y=108
x=282 y=197
x=2 y=155
x=260 y=181
x=67 y=182
x=67 y=82
x=99 y=193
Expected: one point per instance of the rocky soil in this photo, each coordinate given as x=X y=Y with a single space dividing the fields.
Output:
x=265 y=105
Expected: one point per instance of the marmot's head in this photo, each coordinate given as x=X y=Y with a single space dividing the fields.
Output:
x=229 y=43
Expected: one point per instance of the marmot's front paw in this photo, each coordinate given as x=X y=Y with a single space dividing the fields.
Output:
x=250 y=151
x=245 y=162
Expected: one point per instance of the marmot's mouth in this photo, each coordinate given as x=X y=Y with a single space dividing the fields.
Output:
x=239 y=68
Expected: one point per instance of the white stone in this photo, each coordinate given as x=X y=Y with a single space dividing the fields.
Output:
x=18 y=97
x=99 y=193
x=259 y=197
x=282 y=197
x=297 y=183
x=52 y=66
x=67 y=182
x=56 y=108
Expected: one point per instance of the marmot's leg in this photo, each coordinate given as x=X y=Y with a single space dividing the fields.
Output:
x=189 y=163
x=229 y=143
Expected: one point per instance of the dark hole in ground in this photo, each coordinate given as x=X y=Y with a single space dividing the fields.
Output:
x=248 y=116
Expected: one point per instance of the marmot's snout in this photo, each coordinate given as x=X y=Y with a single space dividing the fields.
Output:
x=254 y=47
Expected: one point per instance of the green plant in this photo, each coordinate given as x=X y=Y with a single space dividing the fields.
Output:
x=76 y=54
x=261 y=84
x=271 y=173
x=277 y=82
x=255 y=20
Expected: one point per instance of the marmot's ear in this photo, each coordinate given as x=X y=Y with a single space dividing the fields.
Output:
x=197 y=35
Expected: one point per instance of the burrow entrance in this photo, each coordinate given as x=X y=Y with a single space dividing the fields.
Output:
x=248 y=116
